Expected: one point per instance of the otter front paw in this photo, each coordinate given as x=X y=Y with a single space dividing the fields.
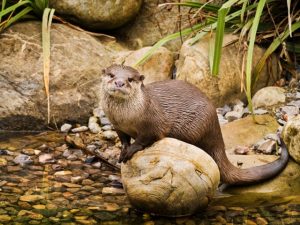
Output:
x=127 y=153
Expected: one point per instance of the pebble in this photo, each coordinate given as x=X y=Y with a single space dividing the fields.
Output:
x=13 y=169
x=80 y=129
x=23 y=160
x=110 y=135
x=104 y=121
x=46 y=158
x=225 y=109
x=233 y=115
x=98 y=112
x=71 y=185
x=290 y=110
x=107 y=127
x=4 y=218
x=93 y=125
x=63 y=173
x=31 y=198
x=295 y=103
x=28 y=151
x=3 y=162
x=267 y=146
x=112 y=191
x=261 y=221
x=221 y=119
x=65 y=128
x=241 y=150
x=260 y=111
x=3 y=152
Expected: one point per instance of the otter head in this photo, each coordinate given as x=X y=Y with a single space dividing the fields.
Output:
x=121 y=81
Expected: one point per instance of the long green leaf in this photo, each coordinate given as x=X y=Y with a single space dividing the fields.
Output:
x=245 y=3
x=13 y=7
x=46 y=24
x=253 y=31
x=166 y=39
x=288 y=2
x=2 y=8
x=273 y=46
x=208 y=7
x=17 y=16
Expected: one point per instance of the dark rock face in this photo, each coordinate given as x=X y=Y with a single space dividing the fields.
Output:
x=99 y=14
x=77 y=60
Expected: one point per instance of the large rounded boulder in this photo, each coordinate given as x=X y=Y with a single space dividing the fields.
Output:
x=97 y=14
x=170 y=178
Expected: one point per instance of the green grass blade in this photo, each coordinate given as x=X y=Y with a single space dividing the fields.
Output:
x=13 y=7
x=288 y=2
x=273 y=46
x=208 y=7
x=166 y=39
x=245 y=3
x=46 y=24
x=17 y=16
x=253 y=31
x=218 y=41
x=2 y=8
x=211 y=53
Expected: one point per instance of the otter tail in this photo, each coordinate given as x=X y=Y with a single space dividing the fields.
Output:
x=235 y=176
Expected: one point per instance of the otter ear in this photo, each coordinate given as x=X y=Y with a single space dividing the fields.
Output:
x=142 y=77
x=103 y=71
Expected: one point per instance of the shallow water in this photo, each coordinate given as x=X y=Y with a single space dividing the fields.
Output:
x=72 y=191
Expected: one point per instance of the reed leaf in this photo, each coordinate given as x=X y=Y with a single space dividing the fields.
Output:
x=249 y=58
x=273 y=46
x=46 y=24
x=12 y=8
x=16 y=17
x=166 y=39
x=2 y=8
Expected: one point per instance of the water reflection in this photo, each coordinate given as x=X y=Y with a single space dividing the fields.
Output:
x=59 y=186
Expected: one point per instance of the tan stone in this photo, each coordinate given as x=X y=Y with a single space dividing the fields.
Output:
x=170 y=178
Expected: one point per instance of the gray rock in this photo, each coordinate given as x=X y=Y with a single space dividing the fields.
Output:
x=80 y=129
x=107 y=127
x=99 y=14
x=281 y=122
x=241 y=150
x=260 y=111
x=46 y=158
x=98 y=112
x=267 y=146
x=291 y=137
x=74 y=82
x=225 y=109
x=268 y=96
x=233 y=115
x=110 y=135
x=162 y=57
x=295 y=103
x=193 y=66
x=221 y=119
x=23 y=160
x=65 y=127
x=290 y=111
x=93 y=125
x=104 y=121
x=273 y=137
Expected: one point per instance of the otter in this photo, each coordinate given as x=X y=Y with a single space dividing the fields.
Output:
x=173 y=108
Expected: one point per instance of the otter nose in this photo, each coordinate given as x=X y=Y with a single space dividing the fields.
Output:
x=119 y=83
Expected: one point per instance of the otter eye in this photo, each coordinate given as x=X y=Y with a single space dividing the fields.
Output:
x=111 y=75
x=130 y=79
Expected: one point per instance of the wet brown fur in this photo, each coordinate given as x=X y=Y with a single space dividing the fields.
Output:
x=173 y=109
